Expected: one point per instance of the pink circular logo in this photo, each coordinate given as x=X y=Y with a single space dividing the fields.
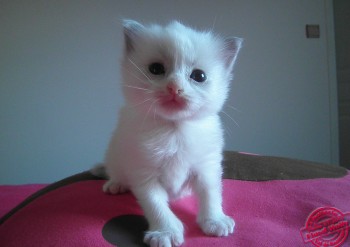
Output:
x=326 y=227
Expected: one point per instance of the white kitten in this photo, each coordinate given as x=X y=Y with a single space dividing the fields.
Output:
x=169 y=138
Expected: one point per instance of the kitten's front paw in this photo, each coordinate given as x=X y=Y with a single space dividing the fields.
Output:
x=112 y=187
x=220 y=226
x=163 y=239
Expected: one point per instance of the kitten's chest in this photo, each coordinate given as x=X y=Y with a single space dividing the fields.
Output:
x=183 y=143
x=166 y=144
x=176 y=151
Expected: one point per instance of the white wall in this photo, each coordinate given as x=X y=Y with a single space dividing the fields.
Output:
x=59 y=78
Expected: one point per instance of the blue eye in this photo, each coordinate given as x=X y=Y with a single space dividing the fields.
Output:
x=198 y=75
x=156 y=69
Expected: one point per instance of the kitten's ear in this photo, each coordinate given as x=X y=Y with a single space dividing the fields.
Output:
x=231 y=49
x=132 y=30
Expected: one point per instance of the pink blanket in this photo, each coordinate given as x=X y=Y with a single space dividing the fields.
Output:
x=267 y=213
x=12 y=195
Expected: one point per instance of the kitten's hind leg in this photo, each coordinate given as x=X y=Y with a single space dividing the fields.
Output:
x=113 y=187
x=99 y=170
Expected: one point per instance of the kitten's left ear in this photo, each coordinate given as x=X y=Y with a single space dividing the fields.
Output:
x=231 y=49
x=132 y=30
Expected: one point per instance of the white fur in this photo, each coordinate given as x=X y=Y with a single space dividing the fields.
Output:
x=160 y=153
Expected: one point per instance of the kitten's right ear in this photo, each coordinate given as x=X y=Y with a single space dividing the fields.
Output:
x=132 y=30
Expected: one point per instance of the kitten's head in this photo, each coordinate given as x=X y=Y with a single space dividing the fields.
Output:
x=176 y=72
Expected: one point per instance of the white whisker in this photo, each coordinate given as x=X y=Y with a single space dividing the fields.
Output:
x=214 y=23
x=230 y=117
x=154 y=115
x=141 y=103
x=228 y=131
x=234 y=108
x=135 y=76
x=147 y=113
x=142 y=72
x=139 y=88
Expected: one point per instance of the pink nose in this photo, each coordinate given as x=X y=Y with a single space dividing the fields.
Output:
x=174 y=89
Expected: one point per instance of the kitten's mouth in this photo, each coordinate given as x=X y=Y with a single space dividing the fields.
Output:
x=173 y=102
